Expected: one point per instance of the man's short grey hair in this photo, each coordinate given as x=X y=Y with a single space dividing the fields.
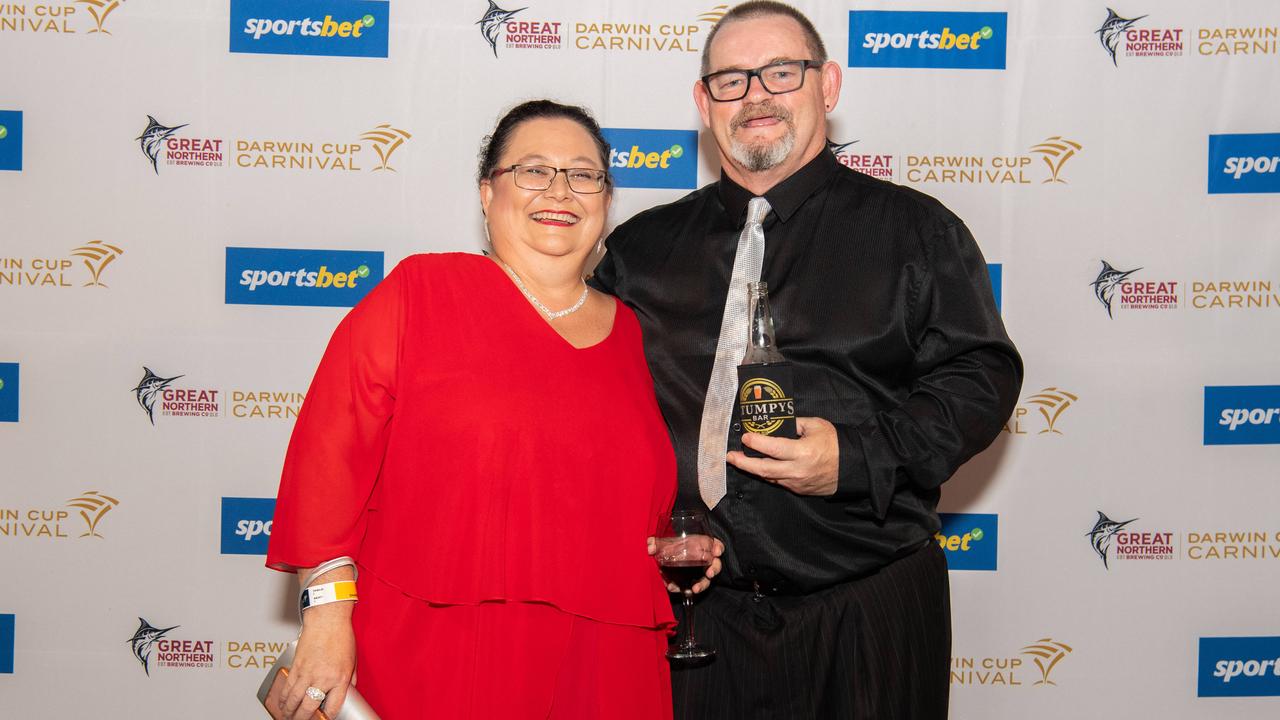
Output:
x=766 y=8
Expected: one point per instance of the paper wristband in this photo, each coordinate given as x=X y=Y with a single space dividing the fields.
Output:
x=328 y=592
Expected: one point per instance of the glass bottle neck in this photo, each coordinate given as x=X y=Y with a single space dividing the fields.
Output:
x=760 y=339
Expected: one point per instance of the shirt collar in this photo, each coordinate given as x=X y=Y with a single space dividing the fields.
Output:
x=786 y=197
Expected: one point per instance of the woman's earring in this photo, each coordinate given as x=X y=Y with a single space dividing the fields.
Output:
x=600 y=245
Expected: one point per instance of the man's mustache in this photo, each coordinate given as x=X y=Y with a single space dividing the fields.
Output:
x=759 y=110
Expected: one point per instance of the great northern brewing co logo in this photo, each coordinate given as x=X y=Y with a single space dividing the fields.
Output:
x=877 y=165
x=1107 y=533
x=152 y=140
x=1133 y=294
x=1115 y=291
x=153 y=390
x=491 y=24
x=1119 y=36
x=150 y=642
x=499 y=26
x=143 y=638
x=46 y=271
x=159 y=140
x=86 y=17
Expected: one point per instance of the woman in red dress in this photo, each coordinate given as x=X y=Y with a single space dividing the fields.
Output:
x=482 y=437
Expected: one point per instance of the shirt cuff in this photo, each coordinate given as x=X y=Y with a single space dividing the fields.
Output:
x=855 y=480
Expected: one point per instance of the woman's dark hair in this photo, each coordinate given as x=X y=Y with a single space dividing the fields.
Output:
x=495 y=143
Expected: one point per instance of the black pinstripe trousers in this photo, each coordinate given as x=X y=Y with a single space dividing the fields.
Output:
x=877 y=647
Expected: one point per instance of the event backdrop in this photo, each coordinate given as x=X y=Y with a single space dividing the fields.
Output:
x=193 y=192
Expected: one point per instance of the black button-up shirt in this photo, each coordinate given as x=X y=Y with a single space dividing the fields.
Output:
x=883 y=303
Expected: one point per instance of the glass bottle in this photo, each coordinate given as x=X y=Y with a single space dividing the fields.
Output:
x=765 y=401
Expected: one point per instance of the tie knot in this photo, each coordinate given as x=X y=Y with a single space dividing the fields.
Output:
x=756 y=210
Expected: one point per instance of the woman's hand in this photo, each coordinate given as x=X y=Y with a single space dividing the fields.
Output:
x=325 y=659
x=717 y=549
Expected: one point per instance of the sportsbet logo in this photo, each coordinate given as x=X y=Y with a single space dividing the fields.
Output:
x=1238 y=166
x=1239 y=667
x=246 y=525
x=1235 y=417
x=10 y=139
x=257 y=27
x=278 y=276
x=6 y=642
x=645 y=158
x=996 y=271
x=945 y=40
x=637 y=158
x=1242 y=415
x=321 y=278
x=1244 y=163
x=959 y=40
x=9 y=392
x=353 y=28
x=969 y=540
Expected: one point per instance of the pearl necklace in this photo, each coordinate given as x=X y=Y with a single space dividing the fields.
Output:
x=538 y=303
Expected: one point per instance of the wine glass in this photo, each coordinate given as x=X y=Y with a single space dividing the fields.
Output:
x=685 y=551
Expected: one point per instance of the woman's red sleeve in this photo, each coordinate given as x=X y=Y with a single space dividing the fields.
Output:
x=341 y=434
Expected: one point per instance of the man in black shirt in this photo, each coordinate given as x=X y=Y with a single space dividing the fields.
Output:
x=833 y=600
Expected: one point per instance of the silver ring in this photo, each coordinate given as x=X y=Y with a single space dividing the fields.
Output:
x=316 y=694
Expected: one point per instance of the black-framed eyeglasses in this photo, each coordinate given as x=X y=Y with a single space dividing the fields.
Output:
x=777 y=78
x=584 y=181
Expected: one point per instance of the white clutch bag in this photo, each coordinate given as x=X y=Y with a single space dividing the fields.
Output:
x=354 y=707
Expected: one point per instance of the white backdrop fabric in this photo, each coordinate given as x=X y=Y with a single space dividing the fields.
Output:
x=1062 y=160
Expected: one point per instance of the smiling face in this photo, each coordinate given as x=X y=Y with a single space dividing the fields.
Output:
x=764 y=138
x=557 y=221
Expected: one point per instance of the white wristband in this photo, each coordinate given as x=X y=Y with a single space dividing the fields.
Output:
x=326 y=593
x=319 y=570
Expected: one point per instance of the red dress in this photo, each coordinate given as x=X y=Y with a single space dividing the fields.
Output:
x=496 y=486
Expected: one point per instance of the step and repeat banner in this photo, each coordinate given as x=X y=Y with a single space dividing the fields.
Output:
x=193 y=192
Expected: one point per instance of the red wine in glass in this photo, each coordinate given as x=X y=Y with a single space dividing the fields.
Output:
x=685 y=575
x=685 y=551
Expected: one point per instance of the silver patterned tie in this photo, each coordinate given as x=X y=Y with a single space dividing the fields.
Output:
x=716 y=410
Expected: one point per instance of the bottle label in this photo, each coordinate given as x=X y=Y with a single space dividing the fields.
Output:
x=764 y=403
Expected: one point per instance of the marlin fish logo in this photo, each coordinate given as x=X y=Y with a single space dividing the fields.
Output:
x=491 y=23
x=837 y=148
x=1111 y=30
x=1105 y=286
x=148 y=388
x=1102 y=532
x=153 y=137
x=142 y=640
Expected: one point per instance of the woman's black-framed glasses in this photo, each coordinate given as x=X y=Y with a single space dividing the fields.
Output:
x=777 y=78
x=584 y=181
